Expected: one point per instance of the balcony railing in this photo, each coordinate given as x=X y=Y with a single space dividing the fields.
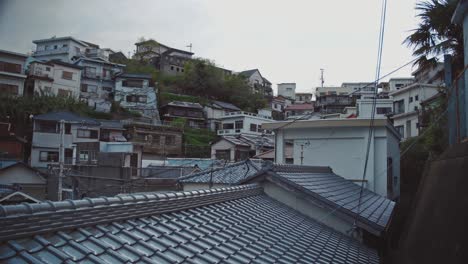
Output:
x=51 y=51
x=242 y=113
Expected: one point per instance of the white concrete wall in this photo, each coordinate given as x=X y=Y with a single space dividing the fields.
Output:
x=223 y=145
x=148 y=109
x=287 y=90
x=72 y=85
x=247 y=121
x=62 y=53
x=365 y=107
x=396 y=83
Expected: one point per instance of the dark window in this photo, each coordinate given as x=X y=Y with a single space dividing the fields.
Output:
x=399 y=106
x=411 y=99
x=228 y=126
x=195 y=114
x=84 y=155
x=416 y=97
x=239 y=124
x=383 y=110
x=84 y=133
x=400 y=130
x=170 y=140
x=90 y=72
x=133 y=83
x=64 y=93
x=84 y=88
x=223 y=154
x=108 y=89
x=142 y=99
x=253 y=127
x=47 y=68
x=178 y=112
x=47 y=127
x=49 y=156
x=8 y=89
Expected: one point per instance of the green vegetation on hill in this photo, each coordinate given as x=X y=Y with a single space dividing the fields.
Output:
x=197 y=142
x=166 y=97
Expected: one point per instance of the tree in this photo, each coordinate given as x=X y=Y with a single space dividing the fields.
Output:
x=436 y=34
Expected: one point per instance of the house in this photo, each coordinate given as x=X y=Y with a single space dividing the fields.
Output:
x=12 y=72
x=399 y=83
x=240 y=147
x=166 y=59
x=382 y=107
x=315 y=141
x=53 y=77
x=11 y=146
x=22 y=177
x=215 y=110
x=191 y=113
x=269 y=155
x=136 y=93
x=332 y=103
x=298 y=110
x=97 y=82
x=238 y=224
x=406 y=105
x=46 y=137
x=319 y=193
x=287 y=90
x=301 y=98
x=236 y=123
x=225 y=176
x=158 y=141
x=65 y=49
x=257 y=82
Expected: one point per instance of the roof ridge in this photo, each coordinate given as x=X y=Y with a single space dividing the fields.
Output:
x=218 y=169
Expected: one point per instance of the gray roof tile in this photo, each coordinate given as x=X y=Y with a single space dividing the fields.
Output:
x=230 y=174
x=230 y=225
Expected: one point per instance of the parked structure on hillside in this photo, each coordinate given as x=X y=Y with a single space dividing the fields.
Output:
x=53 y=77
x=287 y=90
x=135 y=93
x=168 y=60
x=12 y=72
x=236 y=123
x=191 y=113
x=258 y=83
x=315 y=141
x=407 y=106
x=215 y=111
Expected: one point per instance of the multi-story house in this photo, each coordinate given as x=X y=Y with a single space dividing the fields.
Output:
x=406 y=107
x=215 y=111
x=258 y=83
x=53 y=78
x=287 y=90
x=12 y=73
x=236 y=123
x=191 y=113
x=46 y=137
x=168 y=60
x=135 y=93
x=303 y=98
x=430 y=75
x=60 y=48
x=97 y=82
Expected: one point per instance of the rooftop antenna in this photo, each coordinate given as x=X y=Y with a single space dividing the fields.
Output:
x=190 y=46
x=321 y=77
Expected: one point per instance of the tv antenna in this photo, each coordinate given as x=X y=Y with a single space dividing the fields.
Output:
x=322 y=80
x=190 y=46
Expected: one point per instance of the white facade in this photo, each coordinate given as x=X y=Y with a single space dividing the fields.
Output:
x=55 y=79
x=398 y=83
x=136 y=94
x=382 y=107
x=12 y=74
x=235 y=123
x=341 y=144
x=334 y=90
x=287 y=90
x=406 y=106
x=303 y=98
x=62 y=48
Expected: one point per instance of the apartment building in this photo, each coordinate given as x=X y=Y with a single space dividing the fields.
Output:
x=12 y=72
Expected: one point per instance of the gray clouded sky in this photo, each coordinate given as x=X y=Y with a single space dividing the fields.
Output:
x=288 y=40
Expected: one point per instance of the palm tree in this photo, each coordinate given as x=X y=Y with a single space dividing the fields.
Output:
x=436 y=34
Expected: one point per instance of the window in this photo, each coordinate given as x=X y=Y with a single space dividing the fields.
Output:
x=90 y=72
x=133 y=83
x=400 y=130
x=67 y=75
x=46 y=126
x=411 y=99
x=64 y=93
x=399 y=106
x=84 y=155
x=55 y=46
x=77 y=50
x=253 y=127
x=239 y=124
x=416 y=97
x=49 y=156
x=10 y=67
x=108 y=89
x=228 y=126
x=172 y=68
x=8 y=88
x=106 y=73
x=65 y=45
x=383 y=110
x=47 y=68
x=223 y=154
x=142 y=99
x=85 y=133
x=87 y=88
x=170 y=140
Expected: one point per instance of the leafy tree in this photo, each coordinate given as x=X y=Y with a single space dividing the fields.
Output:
x=436 y=34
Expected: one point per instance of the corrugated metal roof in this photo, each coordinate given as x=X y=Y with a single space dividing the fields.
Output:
x=230 y=174
x=229 y=225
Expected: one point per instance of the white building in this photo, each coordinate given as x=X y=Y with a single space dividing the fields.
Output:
x=12 y=74
x=257 y=82
x=97 y=82
x=382 y=108
x=342 y=144
x=59 y=48
x=406 y=105
x=398 y=83
x=134 y=92
x=215 y=111
x=53 y=78
x=303 y=98
x=235 y=123
x=287 y=90
x=46 y=137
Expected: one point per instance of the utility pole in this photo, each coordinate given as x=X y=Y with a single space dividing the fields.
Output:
x=190 y=46
x=321 y=77
x=61 y=160
x=302 y=154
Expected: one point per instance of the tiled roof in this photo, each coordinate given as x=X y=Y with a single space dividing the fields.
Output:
x=337 y=193
x=247 y=140
x=230 y=174
x=248 y=73
x=305 y=106
x=229 y=225
x=225 y=105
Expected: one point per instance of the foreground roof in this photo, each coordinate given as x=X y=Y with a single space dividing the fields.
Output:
x=230 y=174
x=336 y=193
x=229 y=225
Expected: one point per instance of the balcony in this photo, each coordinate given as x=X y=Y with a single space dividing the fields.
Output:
x=242 y=113
x=51 y=51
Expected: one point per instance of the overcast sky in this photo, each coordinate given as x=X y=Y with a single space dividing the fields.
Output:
x=288 y=41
